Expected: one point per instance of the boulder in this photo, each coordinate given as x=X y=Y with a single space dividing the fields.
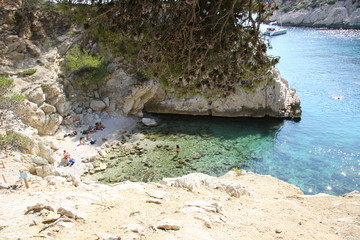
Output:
x=97 y=105
x=14 y=47
x=52 y=93
x=46 y=152
x=33 y=49
x=16 y=56
x=42 y=171
x=38 y=161
x=106 y=101
x=47 y=108
x=149 y=122
x=63 y=108
x=11 y=38
x=51 y=124
x=31 y=115
x=36 y=95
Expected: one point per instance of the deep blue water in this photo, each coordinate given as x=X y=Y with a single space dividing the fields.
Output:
x=320 y=153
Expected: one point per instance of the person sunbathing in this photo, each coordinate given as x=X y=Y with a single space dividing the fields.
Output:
x=83 y=142
x=72 y=134
x=89 y=139
x=99 y=126
x=91 y=129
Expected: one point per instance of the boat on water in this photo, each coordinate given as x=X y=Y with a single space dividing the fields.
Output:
x=274 y=31
x=273 y=23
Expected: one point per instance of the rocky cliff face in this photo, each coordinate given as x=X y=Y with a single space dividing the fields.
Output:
x=273 y=99
x=341 y=14
x=40 y=41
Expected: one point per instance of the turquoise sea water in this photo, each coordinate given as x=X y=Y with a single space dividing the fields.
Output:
x=320 y=153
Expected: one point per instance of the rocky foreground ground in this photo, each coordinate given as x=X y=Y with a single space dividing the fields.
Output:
x=238 y=205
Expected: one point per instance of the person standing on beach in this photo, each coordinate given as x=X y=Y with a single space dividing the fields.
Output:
x=177 y=149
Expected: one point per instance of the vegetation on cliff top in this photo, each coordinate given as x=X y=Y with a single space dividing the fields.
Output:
x=86 y=68
x=188 y=44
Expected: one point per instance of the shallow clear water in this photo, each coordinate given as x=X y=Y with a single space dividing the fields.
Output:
x=320 y=153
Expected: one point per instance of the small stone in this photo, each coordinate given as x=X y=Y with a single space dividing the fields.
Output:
x=153 y=200
x=38 y=207
x=278 y=231
x=52 y=217
x=168 y=224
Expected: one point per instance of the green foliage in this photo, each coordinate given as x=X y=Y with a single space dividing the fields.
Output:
x=194 y=45
x=28 y=72
x=13 y=140
x=8 y=99
x=87 y=69
x=17 y=97
x=140 y=76
x=5 y=84
x=331 y=1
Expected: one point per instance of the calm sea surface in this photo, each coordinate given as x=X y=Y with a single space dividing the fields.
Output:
x=320 y=153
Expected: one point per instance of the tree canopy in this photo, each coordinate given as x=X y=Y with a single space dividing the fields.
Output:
x=202 y=45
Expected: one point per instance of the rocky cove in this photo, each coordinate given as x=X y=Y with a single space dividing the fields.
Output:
x=61 y=203
x=33 y=56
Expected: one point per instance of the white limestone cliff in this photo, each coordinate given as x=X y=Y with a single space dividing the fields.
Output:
x=341 y=14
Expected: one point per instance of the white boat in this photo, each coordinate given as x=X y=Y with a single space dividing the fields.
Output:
x=273 y=23
x=274 y=31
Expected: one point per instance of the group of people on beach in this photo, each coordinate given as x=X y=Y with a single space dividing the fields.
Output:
x=92 y=129
x=82 y=141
